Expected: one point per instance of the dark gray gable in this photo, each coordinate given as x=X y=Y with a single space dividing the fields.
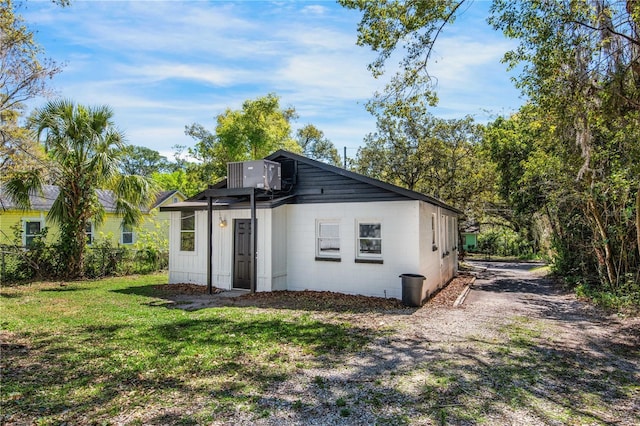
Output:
x=307 y=181
x=317 y=182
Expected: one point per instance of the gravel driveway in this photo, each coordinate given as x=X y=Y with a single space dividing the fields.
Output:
x=518 y=351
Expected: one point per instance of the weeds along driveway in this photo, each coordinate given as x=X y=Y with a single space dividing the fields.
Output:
x=519 y=351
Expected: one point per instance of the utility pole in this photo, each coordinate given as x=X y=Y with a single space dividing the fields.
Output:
x=345 y=157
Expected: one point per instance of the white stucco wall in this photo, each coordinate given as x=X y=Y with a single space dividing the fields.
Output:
x=400 y=248
x=437 y=266
x=279 y=248
x=188 y=266
x=429 y=258
x=287 y=248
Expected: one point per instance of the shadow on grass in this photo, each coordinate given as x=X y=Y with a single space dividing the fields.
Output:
x=62 y=289
x=10 y=295
x=528 y=373
x=518 y=380
x=102 y=370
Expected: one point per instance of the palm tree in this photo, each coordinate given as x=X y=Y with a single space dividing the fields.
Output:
x=85 y=151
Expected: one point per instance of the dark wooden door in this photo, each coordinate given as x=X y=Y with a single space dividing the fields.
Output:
x=242 y=256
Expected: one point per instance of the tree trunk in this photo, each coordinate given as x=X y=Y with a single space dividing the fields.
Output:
x=638 y=217
x=602 y=231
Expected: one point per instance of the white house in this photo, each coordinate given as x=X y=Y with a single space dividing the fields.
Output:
x=319 y=227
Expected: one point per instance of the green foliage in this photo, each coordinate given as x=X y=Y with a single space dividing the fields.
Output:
x=258 y=129
x=39 y=261
x=439 y=157
x=315 y=145
x=505 y=242
x=188 y=180
x=143 y=161
x=85 y=150
x=413 y=27
x=103 y=259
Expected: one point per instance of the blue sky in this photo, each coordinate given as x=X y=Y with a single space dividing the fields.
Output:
x=164 y=65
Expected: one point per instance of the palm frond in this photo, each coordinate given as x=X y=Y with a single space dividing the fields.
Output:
x=21 y=185
x=133 y=193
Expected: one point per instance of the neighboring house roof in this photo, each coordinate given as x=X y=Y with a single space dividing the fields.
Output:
x=470 y=227
x=164 y=196
x=43 y=201
x=311 y=182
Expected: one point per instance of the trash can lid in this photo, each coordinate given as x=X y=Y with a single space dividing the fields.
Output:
x=412 y=276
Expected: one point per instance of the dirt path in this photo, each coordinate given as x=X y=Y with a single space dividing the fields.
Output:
x=519 y=351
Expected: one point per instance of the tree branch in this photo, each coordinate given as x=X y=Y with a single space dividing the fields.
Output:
x=608 y=28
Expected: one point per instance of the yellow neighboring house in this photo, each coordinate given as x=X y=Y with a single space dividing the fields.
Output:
x=154 y=228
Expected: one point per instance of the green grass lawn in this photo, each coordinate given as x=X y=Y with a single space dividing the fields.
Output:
x=86 y=352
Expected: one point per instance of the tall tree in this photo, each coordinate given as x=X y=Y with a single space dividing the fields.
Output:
x=259 y=128
x=413 y=26
x=580 y=69
x=143 y=161
x=24 y=72
x=435 y=156
x=85 y=150
x=581 y=65
x=315 y=145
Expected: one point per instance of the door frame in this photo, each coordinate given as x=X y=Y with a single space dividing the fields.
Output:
x=251 y=269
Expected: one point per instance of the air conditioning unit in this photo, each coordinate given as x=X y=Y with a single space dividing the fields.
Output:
x=263 y=174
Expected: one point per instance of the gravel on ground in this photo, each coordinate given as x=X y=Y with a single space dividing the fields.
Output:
x=520 y=350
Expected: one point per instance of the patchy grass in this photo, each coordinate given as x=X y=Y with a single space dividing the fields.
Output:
x=96 y=350
x=523 y=374
x=114 y=352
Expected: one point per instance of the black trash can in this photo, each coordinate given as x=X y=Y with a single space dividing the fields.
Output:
x=412 y=289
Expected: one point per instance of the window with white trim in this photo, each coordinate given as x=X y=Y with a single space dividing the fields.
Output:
x=187 y=231
x=88 y=230
x=127 y=234
x=327 y=240
x=31 y=230
x=369 y=244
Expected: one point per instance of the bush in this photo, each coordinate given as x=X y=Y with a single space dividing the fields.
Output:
x=41 y=261
x=505 y=242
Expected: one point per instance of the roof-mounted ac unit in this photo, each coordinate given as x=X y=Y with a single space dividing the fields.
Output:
x=262 y=174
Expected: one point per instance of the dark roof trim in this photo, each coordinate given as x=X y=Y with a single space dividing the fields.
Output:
x=203 y=205
x=356 y=176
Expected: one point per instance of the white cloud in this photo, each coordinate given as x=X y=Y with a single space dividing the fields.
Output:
x=314 y=9
x=457 y=60
x=337 y=76
x=163 y=65
x=209 y=74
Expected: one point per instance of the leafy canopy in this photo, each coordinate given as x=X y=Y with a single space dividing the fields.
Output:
x=253 y=132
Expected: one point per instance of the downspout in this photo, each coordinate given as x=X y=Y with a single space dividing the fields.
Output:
x=253 y=243
x=209 y=243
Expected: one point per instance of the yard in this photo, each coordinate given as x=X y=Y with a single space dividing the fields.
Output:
x=124 y=351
